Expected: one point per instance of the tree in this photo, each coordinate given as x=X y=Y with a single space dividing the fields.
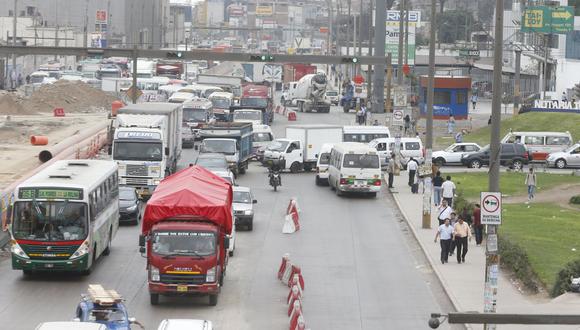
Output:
x=453 y=25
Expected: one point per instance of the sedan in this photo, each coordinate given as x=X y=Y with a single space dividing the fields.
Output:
x=244 y=207
x=567 y=158
x=129 y=205
x=452 y=155
x=212 y=162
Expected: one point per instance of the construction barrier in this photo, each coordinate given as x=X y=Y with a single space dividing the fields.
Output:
x=58 y=112
x=291 y=115
x=292 y=218
x=285 y=264
x=38 y=140
x=292 y=205
x=294 y=294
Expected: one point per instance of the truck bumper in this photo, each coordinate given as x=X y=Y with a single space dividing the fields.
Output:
x=183 y=289
x=244 y=220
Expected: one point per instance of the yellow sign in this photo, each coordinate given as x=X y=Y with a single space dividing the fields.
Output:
x=534 y=19
x=134 y=92
x=561 y=14
x=264 y=11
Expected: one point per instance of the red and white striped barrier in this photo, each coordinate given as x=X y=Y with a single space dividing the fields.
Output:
x=293 y=205
x=294 y=294
x=285 y=265
x=291 y=275
x=295 y=271
x=292 y=218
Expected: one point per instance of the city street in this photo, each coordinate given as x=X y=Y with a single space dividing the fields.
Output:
x=362 y=267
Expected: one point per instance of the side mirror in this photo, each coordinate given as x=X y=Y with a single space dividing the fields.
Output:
x=226 y=242
x=142 y=240
x=255 y=201
x=166 y=151
x=196 y=147
x=316 y=156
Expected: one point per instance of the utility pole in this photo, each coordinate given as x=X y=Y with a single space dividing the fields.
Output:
x=13 y=76
x=389 y=84
x=134 y=87
x=348 y=31
x=370 y=53
x=406 y=48
x=491 y=253
x=379 y=76
x=426 y=223
x=517 y=81
x=109 y=15
x=401 y=33
x=86 y=30
x=354 y=37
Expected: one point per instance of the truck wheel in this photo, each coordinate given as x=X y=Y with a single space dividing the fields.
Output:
x=295 y=167
x=231 y=253
x=213 y=299
x=300 y=107
x=154 y=299
x=307 y=168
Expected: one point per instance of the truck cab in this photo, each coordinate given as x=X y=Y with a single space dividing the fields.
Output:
x=234 y=140
x=222 y=103
x=288 y=153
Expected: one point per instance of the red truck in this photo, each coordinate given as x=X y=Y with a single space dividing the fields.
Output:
x=256 y=96
x=185 y=234
x=171 y=69
x=295 y=71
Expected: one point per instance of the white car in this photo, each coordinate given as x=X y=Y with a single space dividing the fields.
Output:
x=452 y=154
x=332 y=97
x=226 y=175
x=244 y=207
x=185 y=324
x=567 y=158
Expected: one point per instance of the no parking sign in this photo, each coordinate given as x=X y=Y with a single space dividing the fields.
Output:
x=490 y=208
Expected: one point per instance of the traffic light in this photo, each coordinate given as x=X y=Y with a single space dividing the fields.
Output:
x=353 y=60
x=262 y=58
x=174 y=55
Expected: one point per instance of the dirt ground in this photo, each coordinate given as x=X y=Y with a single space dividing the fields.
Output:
x=559 y=195
x=18 y=156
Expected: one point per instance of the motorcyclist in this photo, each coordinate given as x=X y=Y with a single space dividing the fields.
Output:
x=275 y=169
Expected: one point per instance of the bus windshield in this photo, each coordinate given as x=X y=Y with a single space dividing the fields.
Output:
x=254 y=102
x=50 y=221
x=151 y=151
x=221 y=102
x=194 y=115
x=184 y=243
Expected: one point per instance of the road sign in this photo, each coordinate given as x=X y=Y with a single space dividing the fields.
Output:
x=490 y=208
x=397 y=117
x=272 y=72
x=469 y=53
x=544 y=19
x=134 y=92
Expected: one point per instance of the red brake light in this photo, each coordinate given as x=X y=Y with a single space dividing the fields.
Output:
x=377 y=182
x=343 y=181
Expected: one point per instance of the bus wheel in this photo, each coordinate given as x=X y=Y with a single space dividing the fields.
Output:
x=107 y=250
x=27 y=272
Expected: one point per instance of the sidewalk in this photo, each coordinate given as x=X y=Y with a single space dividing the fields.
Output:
x=464 y=282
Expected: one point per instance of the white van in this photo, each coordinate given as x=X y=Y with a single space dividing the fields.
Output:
x=322 y=163
x=354 y=167
x=71 y=325
x=262 y=137
x=409 y=147
x=540 y=144
x=364 y=134
x=253 y=116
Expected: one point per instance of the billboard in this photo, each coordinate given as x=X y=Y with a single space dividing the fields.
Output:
x=392 y=43
x=101 y=16
x=264 y=10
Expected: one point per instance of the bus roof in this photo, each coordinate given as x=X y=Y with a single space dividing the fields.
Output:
x=354 y=147
x=150 y=108
x=199 y=103
x=222 y=94
x=73 y=173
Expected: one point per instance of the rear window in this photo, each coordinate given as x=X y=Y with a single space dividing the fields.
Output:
x=361 y=161
x=412 y=146
x=324 y=158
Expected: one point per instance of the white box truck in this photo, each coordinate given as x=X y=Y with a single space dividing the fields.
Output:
x=299 y=149
x=147 y=144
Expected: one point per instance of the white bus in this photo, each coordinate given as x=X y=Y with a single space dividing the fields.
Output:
x=354 y=167
x=364 y=134
x=65 y=216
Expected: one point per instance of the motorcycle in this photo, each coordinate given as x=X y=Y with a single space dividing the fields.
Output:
x=275 y=179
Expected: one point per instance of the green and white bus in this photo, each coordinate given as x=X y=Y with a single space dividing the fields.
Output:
x=65 y=216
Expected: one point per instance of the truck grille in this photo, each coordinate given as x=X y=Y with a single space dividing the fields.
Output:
x=137 y=170
x=136 y=181
x=36 y=251
x=182 y=279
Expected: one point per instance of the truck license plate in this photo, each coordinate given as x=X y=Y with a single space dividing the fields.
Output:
x=48 y=266
x=182 y=288
x=360 y=182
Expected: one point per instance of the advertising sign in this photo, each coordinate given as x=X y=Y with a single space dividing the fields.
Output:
x=264 y=11
x=392 y=42
x=101 y=16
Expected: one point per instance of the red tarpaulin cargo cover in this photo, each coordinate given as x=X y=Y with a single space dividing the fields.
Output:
x=193 y=191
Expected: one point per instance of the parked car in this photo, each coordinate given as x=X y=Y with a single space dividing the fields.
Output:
x=129 y=205
x=212 y=161
x=185 y=324
x=452 y=154
x=244 y=207
x=511 y=154
x=567 y=158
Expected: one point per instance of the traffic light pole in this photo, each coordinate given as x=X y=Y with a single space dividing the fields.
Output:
x=134 y=75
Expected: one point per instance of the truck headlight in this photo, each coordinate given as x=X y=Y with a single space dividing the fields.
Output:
x=248 y=212
x=210 y=276
x=154 y=170
x=156 y=182
x=132 y=208
x=17 y=250
x=81 y=251
x=154 y=274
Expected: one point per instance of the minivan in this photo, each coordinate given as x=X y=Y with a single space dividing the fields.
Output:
x=540 y=144
x=322 y=164
x=354 y=167
x=364 y=134
x=409 y=147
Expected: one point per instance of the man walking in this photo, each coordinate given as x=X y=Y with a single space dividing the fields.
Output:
x=444 y=232
x=437 y=182
x=391 y=168
x=448 y=190
x=461 y=233
x=444 y=212
x=477 y=226
x=531 y=182
x=412 y=169
x=474 y=100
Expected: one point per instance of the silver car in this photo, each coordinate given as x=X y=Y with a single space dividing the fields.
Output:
x=244 y=207
x=567 y=158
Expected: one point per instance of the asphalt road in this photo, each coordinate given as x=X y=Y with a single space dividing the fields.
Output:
x=362 y=267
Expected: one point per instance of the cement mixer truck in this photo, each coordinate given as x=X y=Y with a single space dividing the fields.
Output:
x=308 y=94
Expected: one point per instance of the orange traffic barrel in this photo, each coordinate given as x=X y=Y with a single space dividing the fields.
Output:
x=115 y=106
x=38 y=140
